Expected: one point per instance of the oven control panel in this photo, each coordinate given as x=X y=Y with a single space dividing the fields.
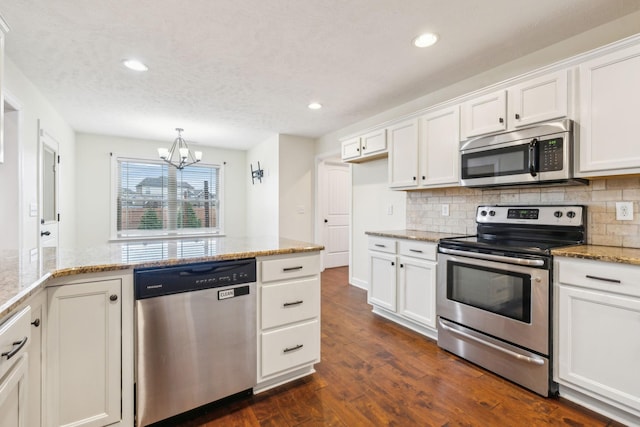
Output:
x=571 y=215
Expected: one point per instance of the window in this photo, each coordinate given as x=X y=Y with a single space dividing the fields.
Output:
x=155 y=199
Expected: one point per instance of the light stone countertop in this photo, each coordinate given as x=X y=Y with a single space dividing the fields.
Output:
x=424 y=236
x=600 y=253
x=21 y=277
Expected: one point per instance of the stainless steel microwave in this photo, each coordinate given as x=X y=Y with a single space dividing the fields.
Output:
x=537 y=155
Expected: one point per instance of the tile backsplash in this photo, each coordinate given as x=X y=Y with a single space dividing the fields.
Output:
x=424 y=208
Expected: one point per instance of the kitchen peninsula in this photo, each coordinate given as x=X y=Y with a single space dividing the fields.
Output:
x=81 y=308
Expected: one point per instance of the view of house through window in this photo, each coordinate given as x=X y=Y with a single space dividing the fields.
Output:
x=154 y=198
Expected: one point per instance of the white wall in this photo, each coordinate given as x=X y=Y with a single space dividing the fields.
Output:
x=297 y=181
x=262 y=197
x=34 y=107
x=369 y=179
x=94 y=173
x=9 y=184
x=370 y=204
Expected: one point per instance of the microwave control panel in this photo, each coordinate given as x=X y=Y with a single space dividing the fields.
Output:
x=551 y=155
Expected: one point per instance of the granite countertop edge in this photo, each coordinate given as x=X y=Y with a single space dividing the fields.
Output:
x=8 y=304
x=418 y=235
x=613 y=254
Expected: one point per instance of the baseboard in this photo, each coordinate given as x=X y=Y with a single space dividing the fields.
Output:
x=359 y=283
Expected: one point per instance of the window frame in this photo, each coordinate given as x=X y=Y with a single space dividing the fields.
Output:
x=161 y=233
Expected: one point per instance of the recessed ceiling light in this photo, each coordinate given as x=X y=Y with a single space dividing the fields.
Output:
x=134 y=64
x=425 y=40
x=315 y=106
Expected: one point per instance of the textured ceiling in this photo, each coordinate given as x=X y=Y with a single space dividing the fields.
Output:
x=234 y=72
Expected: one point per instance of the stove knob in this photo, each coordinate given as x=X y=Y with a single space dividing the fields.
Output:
x=483 y=213
x=571 y=214
x=492 y=213
x=557 y=214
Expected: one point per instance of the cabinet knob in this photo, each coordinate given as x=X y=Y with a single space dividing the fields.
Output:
x=401 y=265
x=36 y=323
x=364 y=148
x=326 y=221
x=393 y=263
x=414 y=178
x=113 y=297
x=424 y=177
x=501 y=120
x=517 y=116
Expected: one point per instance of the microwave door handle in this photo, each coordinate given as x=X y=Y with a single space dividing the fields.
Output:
x=533 y=157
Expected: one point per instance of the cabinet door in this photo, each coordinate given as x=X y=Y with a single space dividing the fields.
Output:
x=609 y=105
x=599 y=347
x=417 y=290
x=485 y=114
x=539 y=99
x=13 y=394
x=382 y=280
x=374 y=142
x=403 y=155
x=440 y=148
x=351 y=149
x=84 y=354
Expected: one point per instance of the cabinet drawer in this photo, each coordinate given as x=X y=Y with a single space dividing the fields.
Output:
x=290 y=347
x=290 y=268
x=604 y=276
x=420 y=250
x=382 y=244
x=15 y=333
x=290 y=302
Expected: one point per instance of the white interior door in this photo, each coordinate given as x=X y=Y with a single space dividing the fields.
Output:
x=48 y=189
x=334 y=182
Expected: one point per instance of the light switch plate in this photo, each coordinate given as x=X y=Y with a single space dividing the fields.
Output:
x=445 y=210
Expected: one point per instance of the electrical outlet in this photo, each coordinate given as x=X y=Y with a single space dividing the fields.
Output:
x=445 y=210
x=624 y=211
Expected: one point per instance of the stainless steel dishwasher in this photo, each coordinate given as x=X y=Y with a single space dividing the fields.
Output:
x=195 y=336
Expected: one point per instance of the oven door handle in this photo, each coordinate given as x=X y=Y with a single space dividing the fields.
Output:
x=499 y=258
x=522 y=357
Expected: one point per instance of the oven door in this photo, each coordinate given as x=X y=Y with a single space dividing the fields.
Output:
x=505 y=300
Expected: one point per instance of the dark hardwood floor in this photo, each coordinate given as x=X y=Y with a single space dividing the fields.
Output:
x=376 y=373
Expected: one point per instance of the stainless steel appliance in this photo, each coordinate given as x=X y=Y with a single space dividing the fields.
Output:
x=195 y=336
x=494 y=290
x=538 y=155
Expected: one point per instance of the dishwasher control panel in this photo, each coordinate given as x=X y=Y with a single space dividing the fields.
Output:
x=158 y=281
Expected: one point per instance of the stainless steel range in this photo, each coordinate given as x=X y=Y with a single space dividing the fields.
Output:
x=494 y=290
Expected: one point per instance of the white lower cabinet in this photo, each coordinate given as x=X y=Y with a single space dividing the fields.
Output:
x=288 y=318
x=598 y=336
x=89 y=362
x=14 y=365
x=402 y=282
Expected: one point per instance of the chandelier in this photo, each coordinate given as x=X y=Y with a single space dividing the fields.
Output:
x=184 y=156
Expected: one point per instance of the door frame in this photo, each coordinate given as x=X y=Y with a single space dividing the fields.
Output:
x=320 y=160
x=17 y=109
x=45 y=138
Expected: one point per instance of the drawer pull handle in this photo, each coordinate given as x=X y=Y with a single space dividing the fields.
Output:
x=415 y=250
x=604 y=279
x=292 y=268
x=289 y=304
x=15 y=350
x=297 y=347
x=378 y=245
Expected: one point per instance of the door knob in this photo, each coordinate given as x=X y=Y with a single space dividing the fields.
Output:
x=45 y=233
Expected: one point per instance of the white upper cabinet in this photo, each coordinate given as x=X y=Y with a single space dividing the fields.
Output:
x=440 y=148
x=403 y=156
x=369 y=146
x=485 y=114
x=609 y=112
x=424 y=152
x=351 y=149
x=538 y=100
x=532 y=101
